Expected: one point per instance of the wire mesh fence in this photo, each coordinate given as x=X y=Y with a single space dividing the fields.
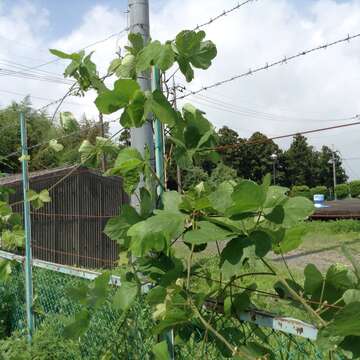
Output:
x=110 y=336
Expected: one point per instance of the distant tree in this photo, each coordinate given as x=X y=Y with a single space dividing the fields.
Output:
x=41 y=130
x=222 y=173
x=301 y=163
x=124 y=138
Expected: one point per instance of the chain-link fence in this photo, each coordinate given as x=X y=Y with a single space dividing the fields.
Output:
x=110 y=336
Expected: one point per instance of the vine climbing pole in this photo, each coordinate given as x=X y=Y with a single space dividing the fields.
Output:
x=27 y=227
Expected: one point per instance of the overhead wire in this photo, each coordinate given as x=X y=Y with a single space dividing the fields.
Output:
x=268 y=65
x=269 y=139
x=252 y=113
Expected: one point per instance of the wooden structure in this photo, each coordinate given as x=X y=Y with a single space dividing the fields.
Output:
x=69 y=229
x=339 y=209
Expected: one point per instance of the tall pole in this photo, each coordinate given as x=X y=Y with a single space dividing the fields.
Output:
x=102 y=130
x=334 y=172
x=141 y=137
x=27 y=228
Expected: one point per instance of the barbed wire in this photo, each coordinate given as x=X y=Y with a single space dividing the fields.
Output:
x=269 y=65
x=223 y=14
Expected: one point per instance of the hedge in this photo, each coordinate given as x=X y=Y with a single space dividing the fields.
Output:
x=319 y=190
x=355 y=188
x=301 y=190
x=342 y=191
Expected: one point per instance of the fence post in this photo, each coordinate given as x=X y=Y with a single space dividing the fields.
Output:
x=27 y=228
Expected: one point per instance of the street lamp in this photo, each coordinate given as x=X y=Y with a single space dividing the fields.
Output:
x=274 y=158
x=333 y=163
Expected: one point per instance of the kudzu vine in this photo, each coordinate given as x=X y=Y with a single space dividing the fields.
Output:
x=243 y=220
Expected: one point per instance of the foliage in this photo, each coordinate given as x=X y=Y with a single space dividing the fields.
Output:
x=355 y=188
x=301 y=190
x=342 y=191
x=245 y=219
x=194 y=176
x=321 y=190
x=47 y=343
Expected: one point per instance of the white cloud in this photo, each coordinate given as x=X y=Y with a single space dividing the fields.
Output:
x=321 y=85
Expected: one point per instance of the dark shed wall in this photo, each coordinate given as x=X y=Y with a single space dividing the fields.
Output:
x=69 y=229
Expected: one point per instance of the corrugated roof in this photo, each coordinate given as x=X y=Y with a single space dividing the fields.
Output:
x=48 y=173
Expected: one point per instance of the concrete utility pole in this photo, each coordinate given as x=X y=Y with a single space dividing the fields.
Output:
x=139 y=23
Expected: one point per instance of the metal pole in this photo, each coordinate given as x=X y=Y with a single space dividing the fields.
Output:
x=334 y=172
x=159 y=136
x=102 y=129
x=141 y=137
x=27 y=226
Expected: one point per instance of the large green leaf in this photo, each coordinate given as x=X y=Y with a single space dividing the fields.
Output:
x=190 y=46
x=346 y=321
x=248 y=196
x=63 y=55
x=116 y=228
x=297 y=209
x=134 y=114
x=161 y=351
x=137 y=43
x=351 y=295
x=313 y=279
x=206 y=232
x=340 y=277
x=262 y=242
x=127 y=68
x=125 y=295
x=155 y=54
x=162 y=109
x=128 y=159
x=171 y=201
x=276 y=195
x=110 y=101
x=220 y=199
x=291 y=239
x=156 y=232
x=232 y=255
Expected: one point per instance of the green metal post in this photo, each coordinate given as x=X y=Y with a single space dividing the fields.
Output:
x=159 y=166
x=27 y=226
x=158 y=135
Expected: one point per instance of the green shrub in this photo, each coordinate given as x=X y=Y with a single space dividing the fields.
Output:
x=322 y=190
x=342 y=191
x=301 y=190
x=355 y=188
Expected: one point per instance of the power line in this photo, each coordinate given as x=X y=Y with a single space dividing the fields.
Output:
x=83 y=48
x=34 y=76
x=269 y=65
x=263 y=141
x=247 y=112
x=38 y=97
